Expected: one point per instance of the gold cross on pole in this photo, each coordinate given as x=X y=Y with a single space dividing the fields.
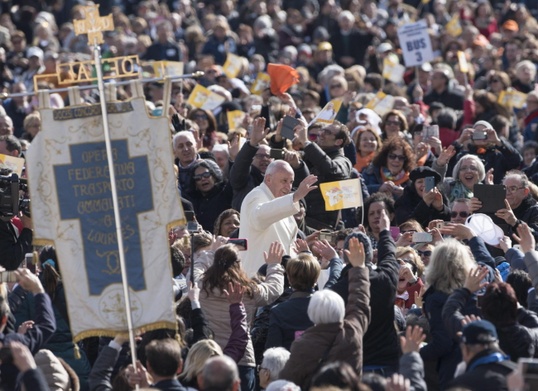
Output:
x=94 y=24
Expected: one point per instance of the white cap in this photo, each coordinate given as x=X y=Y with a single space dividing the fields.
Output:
x=35 y=51
x=484 y=227
x=384 y=47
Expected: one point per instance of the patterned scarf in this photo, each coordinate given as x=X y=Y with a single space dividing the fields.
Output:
x=460 y=191
x=398 y=179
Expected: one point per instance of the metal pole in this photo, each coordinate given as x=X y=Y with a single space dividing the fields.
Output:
x=114 y=191
x=194 y=75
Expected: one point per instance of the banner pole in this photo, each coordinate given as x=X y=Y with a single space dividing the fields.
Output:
x=114 y=191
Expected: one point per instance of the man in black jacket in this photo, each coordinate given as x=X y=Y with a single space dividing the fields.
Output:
x=521 y=207
x=14 y=244
x=486 y=365
x=381 y=349
x=325 y=159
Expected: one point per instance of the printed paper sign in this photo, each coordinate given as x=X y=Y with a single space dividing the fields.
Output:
x=235 y=119
x=14 y=164
x=262 y=82
x=202 y=98
x=341 y=194
x=415 y=43
x=233 y=65
x=329 y=112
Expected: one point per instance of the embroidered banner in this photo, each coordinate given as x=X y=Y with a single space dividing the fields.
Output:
x=72 y=209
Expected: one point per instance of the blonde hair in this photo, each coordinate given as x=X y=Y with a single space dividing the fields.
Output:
x=449 y=265
x=198 y=354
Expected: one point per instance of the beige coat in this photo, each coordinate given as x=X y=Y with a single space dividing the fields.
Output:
x=216 y=308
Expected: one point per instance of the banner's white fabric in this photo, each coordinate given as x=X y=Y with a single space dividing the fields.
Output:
x=72 y=209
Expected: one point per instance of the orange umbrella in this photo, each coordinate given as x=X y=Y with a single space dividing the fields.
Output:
x=282 y=78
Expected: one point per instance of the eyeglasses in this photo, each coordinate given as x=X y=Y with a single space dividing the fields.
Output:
x=312 y=136
x=200 y=116
x=393 y=123
x=470 y=168
x=201 y=176
x=262 y=156
x=259 y=368
x=424 y=253
x=513 y=189
x=327 y=132
x=462 y=214
x=336 y=86
x=393 y=156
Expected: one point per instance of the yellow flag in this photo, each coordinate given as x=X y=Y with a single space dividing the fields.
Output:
x=262 y=82
x=235 y=119
x=167 y=68
x=329 y=112
x=453 y=27
x=202 y=98
x=233 y=65
x=14 y=164
x=462 y=61
x=393 y=71
x=512 y=98
x=381 y=103
x=341 y=194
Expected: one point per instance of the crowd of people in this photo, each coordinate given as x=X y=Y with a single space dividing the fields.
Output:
x=400 y=293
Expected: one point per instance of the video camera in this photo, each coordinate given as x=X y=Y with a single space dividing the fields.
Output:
x=13 y=197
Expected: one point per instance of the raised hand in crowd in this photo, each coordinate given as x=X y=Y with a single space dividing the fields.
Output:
x=305 y=187
x=293 y=158
x=218 y=241
x=434 y=198
x=234 y=146
x=505 y=244
x=194 y=292
x=445 y=155
x=475 y=205
x=507 y=214
x=29 y=281
x=355 y=253
x=138 y=376
x=301 y=135
x=234 y=293
x=475 y=279
x=414 y=337
x=25 y=326
x=405 y=239
x=419 y=296
x=398 y=382
x=327 y=252
x=301 y=246
x=275 y=254
x=384 y=221
x=458 y=231
x=525 y=238
x=488 y=180
x=258 y=132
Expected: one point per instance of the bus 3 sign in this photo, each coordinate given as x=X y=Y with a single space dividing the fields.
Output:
x=415 y=43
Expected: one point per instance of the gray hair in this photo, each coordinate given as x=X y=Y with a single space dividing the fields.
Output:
x=283 y=385
x=274 y=360
x=184 y=133
x=326 y=306
x=475 y=159
x=449 y=265
x=277 y=165
x=520 y=175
